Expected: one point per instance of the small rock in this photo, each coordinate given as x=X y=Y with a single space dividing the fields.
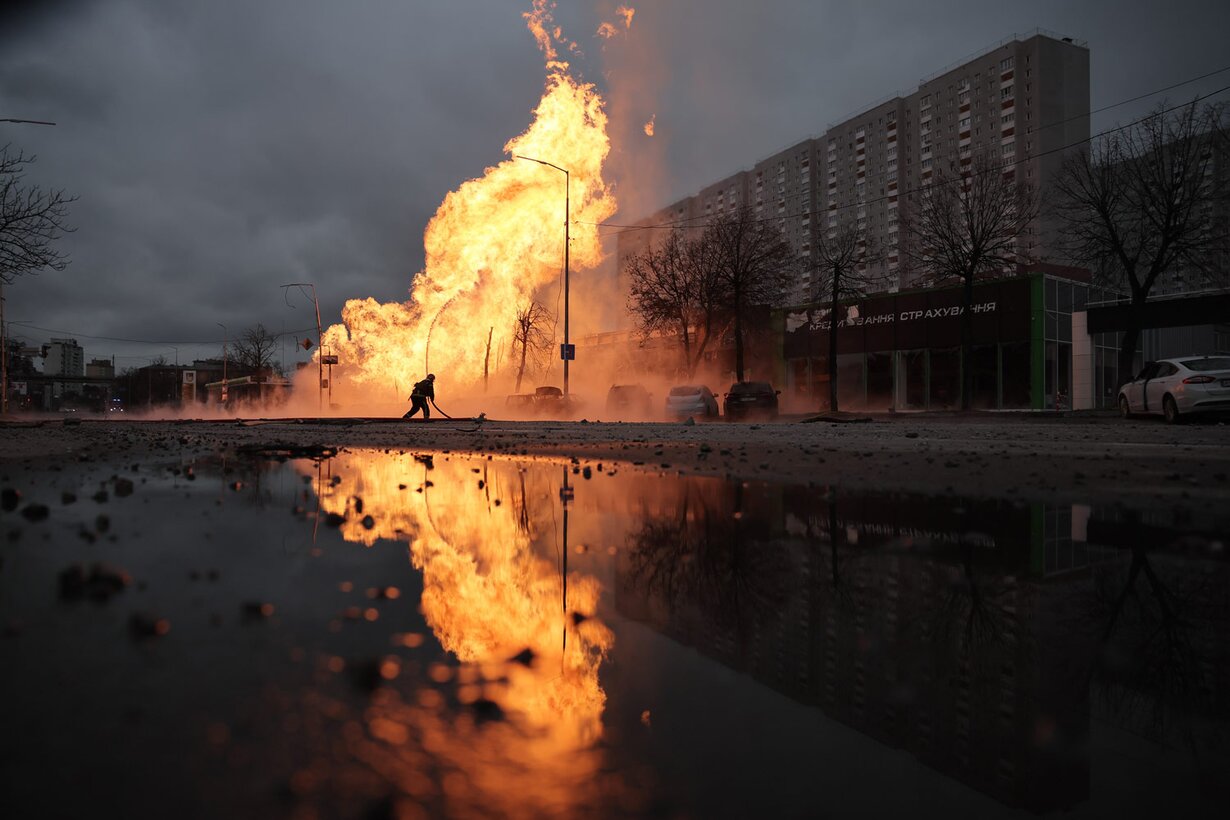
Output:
x=35 y=512
x=146 y=625
x=257 y=610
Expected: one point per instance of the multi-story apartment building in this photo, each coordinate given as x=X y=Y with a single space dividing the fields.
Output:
x=1024 y=102
x=64 y=358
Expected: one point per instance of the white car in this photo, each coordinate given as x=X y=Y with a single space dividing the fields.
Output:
x=691 y=400
x=1177 y=387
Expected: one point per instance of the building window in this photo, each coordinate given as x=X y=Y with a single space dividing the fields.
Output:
x=1006 y=64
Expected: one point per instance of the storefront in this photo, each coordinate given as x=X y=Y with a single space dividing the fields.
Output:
x=903 y=350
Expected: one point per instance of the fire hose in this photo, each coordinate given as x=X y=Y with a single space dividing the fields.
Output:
x=438 y=410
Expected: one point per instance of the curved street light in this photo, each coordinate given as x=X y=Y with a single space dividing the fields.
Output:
x=566 y=350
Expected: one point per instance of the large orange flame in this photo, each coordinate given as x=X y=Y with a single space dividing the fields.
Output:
x=492 y=588
x=492 y=244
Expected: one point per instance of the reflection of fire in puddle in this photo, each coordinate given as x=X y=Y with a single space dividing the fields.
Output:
x=497 y=595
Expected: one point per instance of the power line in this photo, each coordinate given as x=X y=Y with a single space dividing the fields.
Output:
x=999 y=168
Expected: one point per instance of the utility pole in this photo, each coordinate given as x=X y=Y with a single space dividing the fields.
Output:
x=4 y=357
x=4 y=336
x=565 y=352
x=320 y=367
x=225 y=338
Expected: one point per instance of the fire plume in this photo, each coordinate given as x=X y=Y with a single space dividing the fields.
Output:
x=492 y=590
x=492 y=244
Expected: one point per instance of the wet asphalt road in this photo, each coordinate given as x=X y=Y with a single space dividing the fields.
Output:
x=1094 y=458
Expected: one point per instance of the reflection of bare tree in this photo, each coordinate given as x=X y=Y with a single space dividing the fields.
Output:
x=1162 y=653
x=709 y=557
x=971 y=610
x=522 y=505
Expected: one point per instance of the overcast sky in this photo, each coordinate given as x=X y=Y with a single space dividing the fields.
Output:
x=220 y=149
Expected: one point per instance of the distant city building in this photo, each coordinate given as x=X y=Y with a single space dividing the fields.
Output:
x=64 y=358
x=100 y=369
x=1025 y=102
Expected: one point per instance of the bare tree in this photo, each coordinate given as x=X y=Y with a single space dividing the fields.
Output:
x=254 y=349
x=31 y=220
x=676 y=288
x=530 y=340
x=965 y=226
x=846 y=263
x=755 y=264
x=1139 y=205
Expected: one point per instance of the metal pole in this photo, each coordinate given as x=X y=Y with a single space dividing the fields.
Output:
x=567 y=197
x=4 y=337
x=4 y=357
x=225 y=337
x=320 y=371
x=564 y=499
x=567 y=207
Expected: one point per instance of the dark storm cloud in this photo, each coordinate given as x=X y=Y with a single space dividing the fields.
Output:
x=223 y=148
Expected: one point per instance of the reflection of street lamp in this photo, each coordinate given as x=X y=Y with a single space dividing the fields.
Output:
x=566 y=350
x=565 y=496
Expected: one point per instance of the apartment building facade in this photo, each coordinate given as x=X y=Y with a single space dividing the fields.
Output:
x=64 y=358
x=1024 y=103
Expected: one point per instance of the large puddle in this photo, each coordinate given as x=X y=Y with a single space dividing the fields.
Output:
x=398 y=634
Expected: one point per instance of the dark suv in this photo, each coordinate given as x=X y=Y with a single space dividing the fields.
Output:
x=751 y=399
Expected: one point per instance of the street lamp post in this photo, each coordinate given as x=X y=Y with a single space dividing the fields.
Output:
x=566 y=350
x=320 y=338
x=4 y=339
x=225 y=339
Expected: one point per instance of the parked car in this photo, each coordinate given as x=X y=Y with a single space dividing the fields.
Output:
x=631 y=399
x=1178 y=387
x=544 y=401
x=691 y=400
x=520 y=402
x=748 y=399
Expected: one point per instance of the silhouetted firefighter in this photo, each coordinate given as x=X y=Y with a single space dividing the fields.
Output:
x=420 y=394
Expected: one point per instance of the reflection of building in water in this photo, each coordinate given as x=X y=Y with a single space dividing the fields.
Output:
x=914 y=625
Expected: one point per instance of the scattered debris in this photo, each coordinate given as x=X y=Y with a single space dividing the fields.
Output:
x=9 y=499
x=100 y=581
x=257 y=610
x=145 y=625
x=283 y=451
x=35 y=512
